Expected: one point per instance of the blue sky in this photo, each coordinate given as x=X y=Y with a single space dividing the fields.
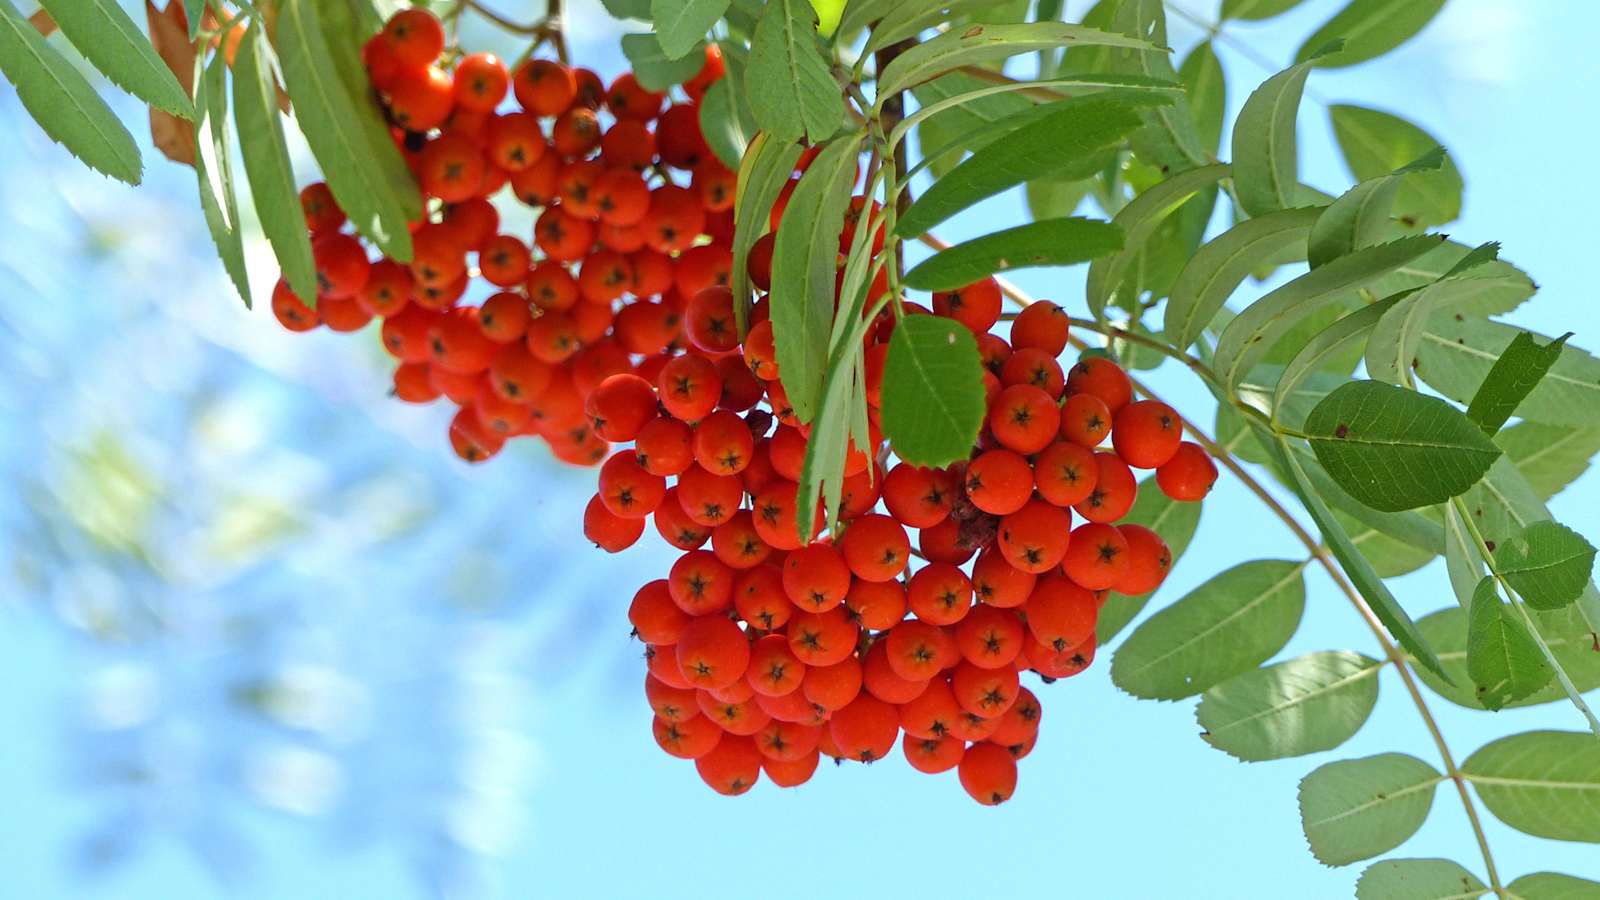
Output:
x=506 y=713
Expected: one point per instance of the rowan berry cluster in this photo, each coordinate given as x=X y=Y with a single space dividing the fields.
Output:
x=636 y=217
x=772 y=647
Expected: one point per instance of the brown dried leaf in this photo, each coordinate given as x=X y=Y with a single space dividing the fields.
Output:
x=169 y=34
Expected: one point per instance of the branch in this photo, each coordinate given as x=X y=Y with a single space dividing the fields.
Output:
x=1313 y=546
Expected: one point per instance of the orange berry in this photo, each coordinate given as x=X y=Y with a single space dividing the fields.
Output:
x=816 y=577
x=1114 y=490
x=412 y=384
x=1030 y=365
x=734 y=712
x=481 y=81
x=1042 y=325
x=1085 y=420
x=866 y=729
x=1065 y=473
x=1019 y=724
x=576 y=133
x=608 y=531
x=999 y=482
x=690 y=387
x=1189 y=474
x=627 y=99
x=707 y=498
x=976 y=306
x=920 y=498
x=833 y=686
x=1035 y=537
x=881 y=681
x=989 y=637
x=875 y=548
x=1097 y=557
x=939 y=593
x=1060 y=614
x=700 y=584
x=822 y=638
x=732 y=767
x=791 y=773
x=723 y=443
x=988 y=774
x=932 y=713
x=471 y=441
x=675 y=526
x=420 y=100
x=1024 y=418
x=1149 y=560
x=774 y=669
x=736 y=543
x=876 y=605
x=669 y=703
x=342 y=266
x=689 y=738
x=788 y=741
x=919 y=650
x=712 y=651
x=663 y=446
x=656 y=618
x=1104 y=379
x=678 y=139
x=504 y=317
x=322 y=212
x=933 y=755
x=295 y=314
x=544 y=87
x=415 y=37
x=776 y=516
x=1146 y=433
x=708 y=320
x=946 y=542
x=998 y=583
x=758 y=596
x=986 y=692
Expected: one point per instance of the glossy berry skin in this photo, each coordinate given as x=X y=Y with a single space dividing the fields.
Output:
x=1146 y=433
x=1189 y=474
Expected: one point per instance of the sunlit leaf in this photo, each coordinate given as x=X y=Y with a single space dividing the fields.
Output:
x=1358 y=808
x=1543 y=783
x=1310 y=703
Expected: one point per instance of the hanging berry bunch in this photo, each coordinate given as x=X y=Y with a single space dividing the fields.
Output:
x=518 y=330
x=773 y=647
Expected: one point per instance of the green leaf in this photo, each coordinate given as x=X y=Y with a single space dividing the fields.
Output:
x=829 y=12
x=1169 y=138
x=1310 y=703
x=1257 y=330
x=1418 y=879
x=726 y=120
x=1499 y=287
x=977 y=44
x=1548 y=564
x=1512 y=377
x=1139 y=221
x=1068 y=141
x=1502 y=505
x=791 y=89
x=628 y=9
x=1543 y=783
x=1223 y=263
x=1255 y=10
x=266 y=161
x=1564 y=632
x=1550 y=457
x=62 y=102
x=1360 y=218
x=803 y=279
x=1390 y=557
x=908 y=18
x=1051 y=242
x=1358 y=808
x=1265 y=166
x=1207 y=87
x=763 y=172
x=1462 y=559
x=1176 y=523
x=194 y=11
x=1369 y=29
x=1371 y=587
x=359 y=160
x=1229 y=625
x=681 y=25
x=1395 y=449
x=1456 y=353
x=1056 y=198
x=1375 y=143
x=1503 y=658
x=1554 y=886
x=214 y=168
x=655 y=70
x=1349 y=332
x=822 y=473
x=1412 y=527
x=1393 y=352
x=109 y=40
x=933 y=398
